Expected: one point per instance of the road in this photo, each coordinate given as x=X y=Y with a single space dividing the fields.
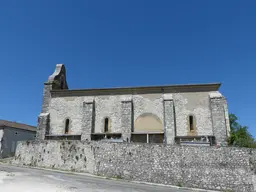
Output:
x=19 y=179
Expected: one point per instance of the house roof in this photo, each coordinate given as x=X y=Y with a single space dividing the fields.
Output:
x=140 y=90
x=4 y=123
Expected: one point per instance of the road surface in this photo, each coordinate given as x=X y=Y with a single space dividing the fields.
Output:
x=19 y=179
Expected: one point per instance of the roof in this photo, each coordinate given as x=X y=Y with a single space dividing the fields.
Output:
x=4 y=123
x=140 y=90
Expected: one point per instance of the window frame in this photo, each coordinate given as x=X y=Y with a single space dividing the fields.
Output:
x=148 y=135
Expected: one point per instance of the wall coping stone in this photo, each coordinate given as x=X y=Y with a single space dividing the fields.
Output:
x=215 y=94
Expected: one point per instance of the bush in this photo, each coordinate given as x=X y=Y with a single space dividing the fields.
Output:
x=239 y=135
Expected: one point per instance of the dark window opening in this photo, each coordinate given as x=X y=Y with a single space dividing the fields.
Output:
x=67 y=126
x=156 y=138
x=147 y=138
x=191 y=123
x=114 y=137
x=139 y=138
x=106 y=123
x=63 y=137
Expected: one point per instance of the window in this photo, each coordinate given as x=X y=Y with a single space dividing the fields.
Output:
x=148 y=128
x=156 y=138
x=191 y=123
x=106 y=124
x=139 y=138
x=147 y=137
x=113 y=137
x=67 y=126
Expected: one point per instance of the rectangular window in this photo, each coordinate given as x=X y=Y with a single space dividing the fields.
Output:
x=156 y=138
x=139 y=138
x=114 y=137
x=147 y=137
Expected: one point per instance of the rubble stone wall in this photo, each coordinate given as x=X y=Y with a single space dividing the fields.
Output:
x=214 y=168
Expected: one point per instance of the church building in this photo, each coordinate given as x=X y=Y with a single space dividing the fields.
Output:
x=192 y=114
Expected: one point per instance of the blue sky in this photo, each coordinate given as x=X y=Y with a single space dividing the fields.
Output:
x=106 y=43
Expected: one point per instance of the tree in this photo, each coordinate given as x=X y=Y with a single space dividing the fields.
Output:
x=239 y=135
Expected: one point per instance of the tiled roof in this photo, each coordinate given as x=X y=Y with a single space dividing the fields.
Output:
x=4 y=123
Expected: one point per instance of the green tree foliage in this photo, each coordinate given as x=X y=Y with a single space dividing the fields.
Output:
x=239 y=135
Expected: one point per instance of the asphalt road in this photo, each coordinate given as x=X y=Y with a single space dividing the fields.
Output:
x=19 y=179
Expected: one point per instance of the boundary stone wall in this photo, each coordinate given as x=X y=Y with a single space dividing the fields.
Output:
x=224 y=168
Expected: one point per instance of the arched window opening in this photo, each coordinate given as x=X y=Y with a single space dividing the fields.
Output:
x=106 y=124
x=148 y=122
x=191 y=123
x=67 y=126
x=148 y=128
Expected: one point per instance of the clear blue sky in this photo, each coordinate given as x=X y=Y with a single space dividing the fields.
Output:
x=106 y=43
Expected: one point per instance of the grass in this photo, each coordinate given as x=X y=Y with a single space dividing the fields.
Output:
x=117 y=177
x=180 y=184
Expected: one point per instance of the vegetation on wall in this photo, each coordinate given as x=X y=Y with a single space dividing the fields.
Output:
x=239 y=135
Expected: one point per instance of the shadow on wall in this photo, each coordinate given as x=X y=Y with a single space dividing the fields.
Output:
x=148 y=122
x=148 y=128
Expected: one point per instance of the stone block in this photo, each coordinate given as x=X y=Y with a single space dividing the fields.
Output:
x=219 y=118
x=43 y=126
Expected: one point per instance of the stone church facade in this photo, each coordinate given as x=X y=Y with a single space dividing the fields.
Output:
x=174 y=114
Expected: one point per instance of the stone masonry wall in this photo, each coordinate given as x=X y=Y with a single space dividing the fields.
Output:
x=219 y=120
x=199 y=167
x=184 y=104
x=196 y=104
x=148 y=103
